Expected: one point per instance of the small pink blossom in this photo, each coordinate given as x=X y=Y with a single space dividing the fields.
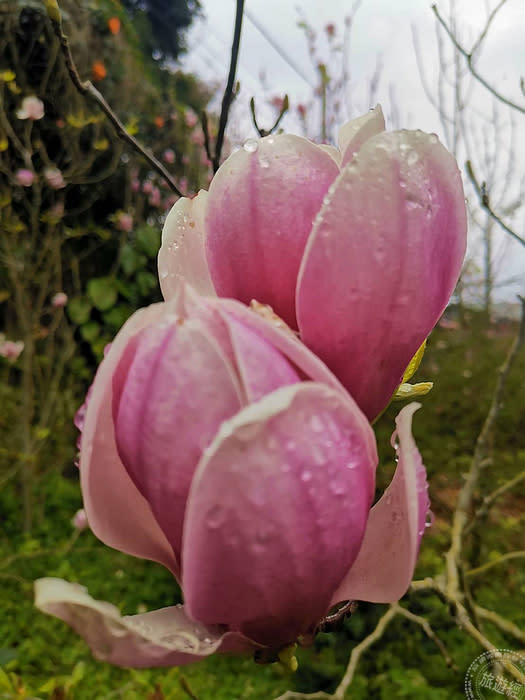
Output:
x=24 y=177
x=170 y=201
x=147 y=187
x=330 y=29
x=277 y=102
x=79 y=520
x=10 y=349
x=168 y=156
x=155 y=197
x=302 y=110
x=190 y=118
x=135 y=185
x=124 y=222
x=197 y=138
x=59 y=300
x=204 y=160
x=32 y=108
x=57 y=210
x=185 y=159
x=54 y=178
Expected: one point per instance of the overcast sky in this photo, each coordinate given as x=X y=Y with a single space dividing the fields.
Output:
x=382 y=30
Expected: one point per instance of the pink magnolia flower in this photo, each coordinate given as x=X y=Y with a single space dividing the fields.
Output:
x=147 y=187
x=253 y=486
x=54 y=178
x=135 y=185
x=24 y=177
x=358 y=249
x=32 y=108
x=59 y=300
x=10 y=349
x=168 y=156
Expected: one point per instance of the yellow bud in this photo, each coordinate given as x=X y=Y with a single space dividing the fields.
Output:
x=411 y=391
x=415 y=362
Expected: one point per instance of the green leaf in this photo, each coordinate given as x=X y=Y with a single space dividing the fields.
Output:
x=103 y=292
x=79 y=310
x=90 y=331
x=148 y=240
x=118 y=315
x=7 y=655
x=128 y=260
x=146 y=282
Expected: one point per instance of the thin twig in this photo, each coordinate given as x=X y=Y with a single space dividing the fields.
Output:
x=462 y=513
x=229 y=91
x=86 y=87
x=489 y=500
x=502 y=623
x=469 y=57
x=495 y=562
x=427 y=629
x=186 y=688
x=282 y=112
x=481 y=191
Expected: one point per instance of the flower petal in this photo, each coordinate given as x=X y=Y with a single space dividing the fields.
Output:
x=385 y=565
x=353 y=134
x=255 y=233
x=182 y=255
x=108 y=491
x=172 y=389
x=276 y=513
x=165 y=637
x=392 y=233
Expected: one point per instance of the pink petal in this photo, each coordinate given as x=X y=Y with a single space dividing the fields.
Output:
x=165 y=637
x=384 y=568
x=353 y=134
x=172 y=389
x=181 y=255
x=392 y=235
x=110 y=496
x=284 y=340
x=261 y=206
x=276 y=513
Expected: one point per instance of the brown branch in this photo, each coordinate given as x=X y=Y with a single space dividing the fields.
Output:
x=427 y=629
x=86 y=87
x=481 y=191
x=469 y=57
x=229 y=91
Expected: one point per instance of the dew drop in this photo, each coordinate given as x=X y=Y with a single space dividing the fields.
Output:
x=306 y=475
x=337 y=487
x=215 y=517
x=264 y=163
x=412 y=158
x=429 y=521
x=250 y=145
x=163 y=274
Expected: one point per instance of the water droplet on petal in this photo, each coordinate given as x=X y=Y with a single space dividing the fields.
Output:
x=264 y=163
x=163 y=274
x=316 y=424
x=412 y=158
x=429 y=521
x=251 y=145
x=215 y=517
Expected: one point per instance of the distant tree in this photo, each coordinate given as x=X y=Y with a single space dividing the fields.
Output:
x=163 y=23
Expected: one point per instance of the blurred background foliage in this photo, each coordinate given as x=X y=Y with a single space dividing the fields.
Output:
x=92 y=232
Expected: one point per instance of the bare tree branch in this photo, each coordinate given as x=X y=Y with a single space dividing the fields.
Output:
x=469 y=57
x=86 y=87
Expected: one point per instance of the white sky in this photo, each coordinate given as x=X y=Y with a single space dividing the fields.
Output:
x=382 y=28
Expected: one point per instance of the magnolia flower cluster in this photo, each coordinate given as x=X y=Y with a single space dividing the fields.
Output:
x=233 y=443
